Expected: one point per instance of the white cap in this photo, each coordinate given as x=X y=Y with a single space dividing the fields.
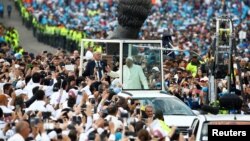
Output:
x=130 y=58
x=204 y=79
x=156 y=69
x=20 y=91
x=2 y=60
x=246 y=59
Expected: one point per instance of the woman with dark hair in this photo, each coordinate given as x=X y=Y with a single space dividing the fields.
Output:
x=144 y=135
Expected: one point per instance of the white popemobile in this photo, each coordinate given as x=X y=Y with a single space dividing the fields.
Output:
x=139 y=73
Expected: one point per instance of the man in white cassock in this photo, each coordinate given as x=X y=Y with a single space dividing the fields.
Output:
x=133 y=76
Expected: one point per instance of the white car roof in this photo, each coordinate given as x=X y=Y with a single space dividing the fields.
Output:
x=143 y=94
x=225 y=117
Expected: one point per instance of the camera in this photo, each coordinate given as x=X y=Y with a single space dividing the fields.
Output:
x=34 y=120
x=77 y=120
x=137 y=111
x=91 y=136
x=124 y=115
x=92 y=101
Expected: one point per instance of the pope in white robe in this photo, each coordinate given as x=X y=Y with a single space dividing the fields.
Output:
x=133 y=76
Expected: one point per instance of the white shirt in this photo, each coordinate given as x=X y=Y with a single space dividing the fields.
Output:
x=134 y=78
x=54 y=99
x=5 y=109
x=30 y=87
x=16 y=137
x=38 y=105
x=43 y=137
x=2 y=125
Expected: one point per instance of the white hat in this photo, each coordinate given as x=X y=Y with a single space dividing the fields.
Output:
x=20 y=91
x=204 y=79
x=130 y=58
x=156 y=69
x=2 y=60
x=246 y=59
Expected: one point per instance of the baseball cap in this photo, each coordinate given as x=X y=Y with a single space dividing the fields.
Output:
x=156 y=69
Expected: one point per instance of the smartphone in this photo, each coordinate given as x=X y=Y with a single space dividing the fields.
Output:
x=79 y=93
x=138 y=111
x=92 y=101
x=46 y=115
x=34 y=121
x=76 y=119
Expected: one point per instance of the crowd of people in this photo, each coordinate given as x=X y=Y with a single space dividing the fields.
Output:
x=188 y=21
x=42 y=96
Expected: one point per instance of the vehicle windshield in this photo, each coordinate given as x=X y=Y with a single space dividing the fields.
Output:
x=168 y=105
